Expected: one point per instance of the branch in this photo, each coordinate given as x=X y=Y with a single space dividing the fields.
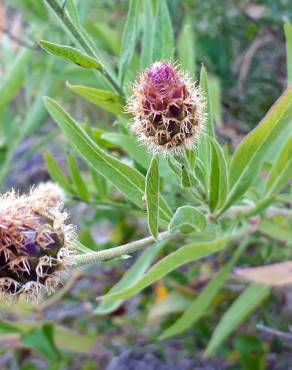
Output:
x=121 y=250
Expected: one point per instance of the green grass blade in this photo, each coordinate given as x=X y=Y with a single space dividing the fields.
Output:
x=80 y=185
x=147 y=37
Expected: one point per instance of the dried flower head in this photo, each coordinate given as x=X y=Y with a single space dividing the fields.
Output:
x=34 y=242
x=168 y=109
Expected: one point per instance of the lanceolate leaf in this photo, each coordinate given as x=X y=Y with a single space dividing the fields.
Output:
x=12 y=82
x=250 y=299
x=131 y=276
x=163 y=41
x=128 y=180
x=249 y=155
x=147 y=39
x=281 y=172
x=71 y=54
x=288 y=36
x=57 y=173
x=77 y=179
x=186 y=47
x=187 y=219
x=218 y=176
x=200 y=305
x=152 y=195
x=204 y=85
x=102 y=98
x=188 y=253
x=129 y=38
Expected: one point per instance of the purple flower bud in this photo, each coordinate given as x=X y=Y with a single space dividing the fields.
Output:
x=167 y=108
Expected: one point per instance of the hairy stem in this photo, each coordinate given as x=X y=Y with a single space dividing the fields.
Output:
x=121 y=250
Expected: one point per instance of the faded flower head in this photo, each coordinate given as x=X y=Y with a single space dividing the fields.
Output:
x=168 y=109
x=34 y=242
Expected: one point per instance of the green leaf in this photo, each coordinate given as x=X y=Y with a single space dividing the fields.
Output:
x=71 y=54
x=200 y=305
x=163 y=46
x=187 y=48
x=131 y=276
x=188 y=253
x=77 y=179
x=152 y=195
x=281 y=172
x=102 y=98
x=147 y=38
x=204 y=85
x=125 y=178
x=288 y=36
x=249 y=300
x=218 y=176
x=6 y=327
x=56 y=172
x=129 y=38
x=188 y=180
x=42 y=339
x=187 y=219
x=130 y=145
x=248 y=157
x=14 y=78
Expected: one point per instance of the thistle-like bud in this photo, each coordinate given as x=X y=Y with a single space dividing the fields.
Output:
x=167 y=108
x=34 y=242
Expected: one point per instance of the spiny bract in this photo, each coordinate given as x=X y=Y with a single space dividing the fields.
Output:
x=35 y=244
x=168 y=109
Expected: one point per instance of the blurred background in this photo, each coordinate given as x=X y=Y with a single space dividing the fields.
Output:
x=242 y=45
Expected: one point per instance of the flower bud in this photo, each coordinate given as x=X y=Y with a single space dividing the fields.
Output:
x=34 y=242
x=167 y=108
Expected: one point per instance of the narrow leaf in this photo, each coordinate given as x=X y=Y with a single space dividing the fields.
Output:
x=218 y=176
x=163 y=47
x=188 y=253
x=288 y=36
x=57 y=173
x=204 y=85
x=249 y=155
x=102 y=98
x=152 y=195
x=129 y=38
x=187 y=219
x=131 y=276
x=249 y=300
x=281 y=172
x=147 y=38
x=128 y=180
x=14 y=78
x=186 y=47
x=71 y=54
x=200 y=305
x=80 y=185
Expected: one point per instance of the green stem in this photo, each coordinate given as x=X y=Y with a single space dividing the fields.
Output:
x=121 y=250
x=80 y=38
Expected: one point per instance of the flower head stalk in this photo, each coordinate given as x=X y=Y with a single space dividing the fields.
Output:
x=168 y=109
